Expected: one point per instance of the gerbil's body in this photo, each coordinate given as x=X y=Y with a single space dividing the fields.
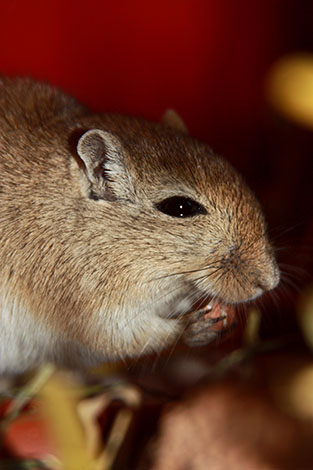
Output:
x=93 y=264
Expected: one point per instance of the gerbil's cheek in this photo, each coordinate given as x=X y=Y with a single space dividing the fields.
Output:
x=180 y=309
x=175 y=307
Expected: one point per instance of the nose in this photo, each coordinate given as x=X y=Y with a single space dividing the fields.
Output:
x=259 y=270
x=268 y=277
x=262 y=280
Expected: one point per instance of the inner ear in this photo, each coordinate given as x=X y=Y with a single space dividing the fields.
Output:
x=92 y=148
x=102 y=156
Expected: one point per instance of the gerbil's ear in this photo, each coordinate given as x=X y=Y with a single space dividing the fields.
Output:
x=172 y=119
x=103 y=157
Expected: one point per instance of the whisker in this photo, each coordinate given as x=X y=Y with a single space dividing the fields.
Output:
x=242 y=310
x=253 y=242
x=286 y=280
x=145 y=346
x=293 y=269
x=208 y=266
x=206 y=276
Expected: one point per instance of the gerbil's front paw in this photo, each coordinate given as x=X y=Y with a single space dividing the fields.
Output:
x=209 y=323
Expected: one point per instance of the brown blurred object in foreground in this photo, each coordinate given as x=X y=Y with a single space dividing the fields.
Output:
x=232 y=425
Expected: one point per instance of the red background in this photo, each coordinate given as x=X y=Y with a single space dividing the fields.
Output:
x=206 y=58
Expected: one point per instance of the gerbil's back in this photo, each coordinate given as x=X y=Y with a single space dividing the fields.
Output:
x=32 y=116
x=35 y=121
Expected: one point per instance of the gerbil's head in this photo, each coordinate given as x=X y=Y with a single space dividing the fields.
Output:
x=181 y=222
x=115 y=228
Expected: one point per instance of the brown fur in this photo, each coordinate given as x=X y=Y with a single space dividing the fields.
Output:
x=87 y=256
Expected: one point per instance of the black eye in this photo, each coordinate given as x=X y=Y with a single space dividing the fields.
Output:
x=178 y=206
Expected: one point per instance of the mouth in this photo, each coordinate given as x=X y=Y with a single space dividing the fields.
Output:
x=222 y=316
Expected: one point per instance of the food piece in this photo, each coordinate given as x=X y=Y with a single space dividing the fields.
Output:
x=208 y=322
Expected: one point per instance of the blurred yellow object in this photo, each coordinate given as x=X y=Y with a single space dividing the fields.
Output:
x=293 y=385
x=107 y=368
x=306 y=316
x=59 y=403
x=289 y=88
x=251 y=333
x=74 y=426
x=293 y=392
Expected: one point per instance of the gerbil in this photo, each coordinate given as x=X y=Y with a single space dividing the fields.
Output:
x=112 y=228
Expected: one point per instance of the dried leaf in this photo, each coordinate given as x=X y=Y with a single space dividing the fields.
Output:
x=28 y=392
x=88 y=411
x=117 y=435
